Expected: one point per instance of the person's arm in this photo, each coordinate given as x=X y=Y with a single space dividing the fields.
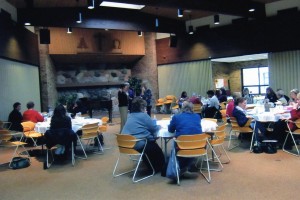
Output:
x=39 y=117
x=240 y=118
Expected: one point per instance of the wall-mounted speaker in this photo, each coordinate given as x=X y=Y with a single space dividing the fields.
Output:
x=44 y=36
x=173 y=41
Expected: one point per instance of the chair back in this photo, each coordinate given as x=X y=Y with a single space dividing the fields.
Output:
x=235 y=126
x=197 y=108
x=104 y=120
x=297 y=123
x=5 y=125
x=126 y=144
x=189 y=142
x=5 y=136
x=28 y=126
x=90 y=130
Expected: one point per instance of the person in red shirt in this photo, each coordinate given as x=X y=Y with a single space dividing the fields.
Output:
x=230 y=105
x=31 y=114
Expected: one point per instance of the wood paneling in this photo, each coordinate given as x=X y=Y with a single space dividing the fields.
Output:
x=92 y=41
x=18 y=43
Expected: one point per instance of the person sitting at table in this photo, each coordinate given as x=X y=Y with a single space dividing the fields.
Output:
x=60 y=132
x=213 y=105
x=31 y=114
x=183 y=97
x=281 y=98
x=271 y=95
x=221 y=95
x=239 y=112
x=280 y=127
x=293 y=95
x=194 y=99
x=230 y=105
x=78 y=107
x=140 y=125
x=185 y=123
x=247 y=96
x=15 y=118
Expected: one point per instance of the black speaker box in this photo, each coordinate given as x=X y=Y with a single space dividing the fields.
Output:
x=44 y=36
x=173 y=41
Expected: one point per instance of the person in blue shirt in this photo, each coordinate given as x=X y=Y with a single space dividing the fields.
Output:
x=140 y=125
x=185 y=123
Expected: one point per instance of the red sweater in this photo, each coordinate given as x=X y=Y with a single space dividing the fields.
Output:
x=32 y=115
x=295 y=114
x=230 y=108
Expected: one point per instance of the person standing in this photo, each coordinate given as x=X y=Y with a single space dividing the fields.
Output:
x=123 y=104
x=147 y=96
x=15 y=117
x=31 y=114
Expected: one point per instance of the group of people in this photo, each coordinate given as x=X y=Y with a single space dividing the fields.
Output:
x=237 y=109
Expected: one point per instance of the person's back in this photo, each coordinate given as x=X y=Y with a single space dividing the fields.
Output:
x=31 y=114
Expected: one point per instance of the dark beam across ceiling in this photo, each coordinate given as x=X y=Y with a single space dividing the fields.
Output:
x=99 y=18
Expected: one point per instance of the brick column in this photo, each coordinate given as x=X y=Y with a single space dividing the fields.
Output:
x=146 y=68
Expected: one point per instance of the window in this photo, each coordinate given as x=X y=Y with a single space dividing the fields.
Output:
x=256 y=79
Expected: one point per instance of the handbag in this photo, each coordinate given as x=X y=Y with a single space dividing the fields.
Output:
x=20 y=162
x=173 y=166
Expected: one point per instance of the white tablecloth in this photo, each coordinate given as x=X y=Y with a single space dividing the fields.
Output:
x=42 y=127
x=206 y=125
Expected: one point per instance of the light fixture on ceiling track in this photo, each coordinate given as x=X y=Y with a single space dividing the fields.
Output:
x=191 y=28
x=156 y=20
x=69 y=30
x=79 y=19
x=180 y=13
x=140 y=33
x=216 y=19
x=91 y=4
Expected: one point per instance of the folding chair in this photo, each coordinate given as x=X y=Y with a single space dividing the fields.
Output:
x=126 y=145
x=235 y=128
x=292 y=133
x=29 y=132
x=89 y=133
x=218 y=141
x=5 y=137
x=5 y=125
x=193 y=146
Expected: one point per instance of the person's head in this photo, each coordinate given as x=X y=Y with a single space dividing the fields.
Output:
x=187 y=107
x=241 y=102
x=210 y=93
x=245 y=91
x=124 y=86
x=269 y=90
x=138 y=105
x=236 y=95
x=17 y=106
x=59 y=111
x=218 y=93
x=223 y=91
x=294 y=93
x=30 y=105
x=183 y=94
x=280 y=93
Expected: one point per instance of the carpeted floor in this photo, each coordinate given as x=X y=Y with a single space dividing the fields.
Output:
x=247 y=176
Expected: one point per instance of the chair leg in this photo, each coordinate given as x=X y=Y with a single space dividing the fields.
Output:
x=177 y=174
x=283 y=149
x=230 y=138
x=208 y=179
x=122 y=173
x=216 y=156
x=85 y=156
x=153 y=171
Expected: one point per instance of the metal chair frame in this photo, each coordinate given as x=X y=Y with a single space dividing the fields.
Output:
x=126 y=145
x=292 y=133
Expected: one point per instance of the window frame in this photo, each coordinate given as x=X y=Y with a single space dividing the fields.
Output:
x=259 y=81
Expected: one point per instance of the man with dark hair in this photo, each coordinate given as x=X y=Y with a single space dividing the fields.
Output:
x=213 y=105
x=15 y=117
x=31 y=114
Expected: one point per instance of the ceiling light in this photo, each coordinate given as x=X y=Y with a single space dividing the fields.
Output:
x=156 y=22
x=79 y=19
x=27 y=23
x=91 y=4
x=180 y=13
x=251 y=9
x=69 y=30
x=191 y=30
x=216 y=19
x=140 y=33
x=121 y=5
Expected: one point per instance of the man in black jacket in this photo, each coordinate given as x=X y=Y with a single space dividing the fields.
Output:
x=15 y=117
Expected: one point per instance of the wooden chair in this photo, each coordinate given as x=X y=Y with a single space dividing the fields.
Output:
x=159 y=104
x=5 y=141
x=218 y=141
x=193 y=146
x=197 y=108
x=292 y=133
x=235 y=128
x=89 y=134
x=29 y=132
x=126 y=145
x=47 y=163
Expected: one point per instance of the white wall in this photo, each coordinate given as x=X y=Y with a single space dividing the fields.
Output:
x=18 y=83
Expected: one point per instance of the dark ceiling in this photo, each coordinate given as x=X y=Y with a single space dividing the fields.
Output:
x=62 y=13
